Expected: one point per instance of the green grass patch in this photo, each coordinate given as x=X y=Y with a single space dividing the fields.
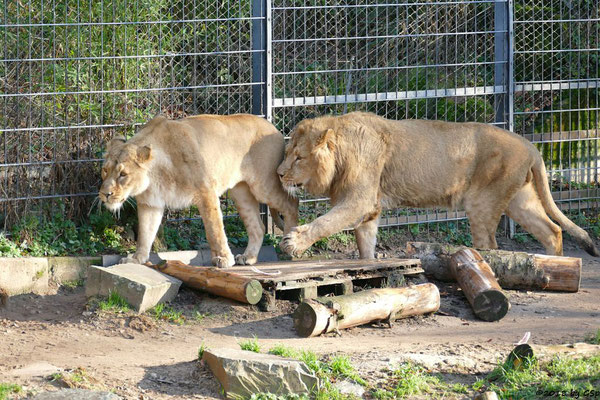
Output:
x=9 y=388
x=250 y=345
x=73 y=284
x=115 y=303
x=201 y=350
x=342 y=366
x=167 y=313
x=408 y=380
x=284 y=351
x=593 y=338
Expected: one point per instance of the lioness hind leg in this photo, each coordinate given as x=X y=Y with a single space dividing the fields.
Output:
x=210 y=209
x=248 y=208
x=366 y=238
x=484 y=216
x=527 y=210
x=271 y=193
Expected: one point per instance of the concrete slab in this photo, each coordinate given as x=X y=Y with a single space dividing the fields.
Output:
x=193 y=257
x=76 y=394
x=243 y=373
x=70 y=269
x=24 y=275
x=142 y=287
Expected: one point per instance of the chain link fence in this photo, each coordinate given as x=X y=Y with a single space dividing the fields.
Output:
x=73 y=73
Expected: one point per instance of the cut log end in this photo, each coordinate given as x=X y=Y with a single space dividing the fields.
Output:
x=491 y=305
x=305 y=319
x=254 y=291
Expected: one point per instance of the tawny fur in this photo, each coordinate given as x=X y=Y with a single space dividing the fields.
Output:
x=366 y=163
x=195 y=160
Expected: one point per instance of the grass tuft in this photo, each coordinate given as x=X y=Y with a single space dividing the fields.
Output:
x=8 y=389
x=167 y=313
x=250 y=345
x=115 y=302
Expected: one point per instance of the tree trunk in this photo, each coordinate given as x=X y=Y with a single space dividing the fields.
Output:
x=479 y=285
x=214 y=280
x=326 y=314
x=514 y=270
x=547 y=353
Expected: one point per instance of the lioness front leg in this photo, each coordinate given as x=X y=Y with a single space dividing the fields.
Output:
x=302 y=237
x=210 y=210
x=149 y=219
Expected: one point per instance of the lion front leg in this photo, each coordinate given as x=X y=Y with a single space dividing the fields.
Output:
x=210 y=210
x=302 y=237
x=149 y=219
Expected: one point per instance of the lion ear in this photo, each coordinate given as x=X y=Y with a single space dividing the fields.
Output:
x=327 y=138
x=144 y=154
x=116 y=141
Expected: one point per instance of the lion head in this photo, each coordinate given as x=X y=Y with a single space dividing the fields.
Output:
x=310 y=161
x=124 y=172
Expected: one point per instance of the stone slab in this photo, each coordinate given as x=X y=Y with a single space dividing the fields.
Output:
x=70 y=269
x=142 y=287
x=76 y=394
x=37 y=369
x=192 y=257
x=243 y=373
x=24 y=275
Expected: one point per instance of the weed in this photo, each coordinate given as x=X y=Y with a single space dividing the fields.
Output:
x=593 y=338
x=341 y=366
x=77 y=378
x=199 y=316
x=73 y=284
x=201 y=351
x=250 y=345
x=283 y=351
x=115 y=302
x=9 y=388
x=39 y=274
x=271 y=396
x=167 y=313
x=409 y=380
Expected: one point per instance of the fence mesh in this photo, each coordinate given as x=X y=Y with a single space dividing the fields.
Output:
x=73 y=73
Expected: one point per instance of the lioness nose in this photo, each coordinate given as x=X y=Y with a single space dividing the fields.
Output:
x=106 y=194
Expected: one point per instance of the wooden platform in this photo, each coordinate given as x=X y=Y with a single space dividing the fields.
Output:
x=309 y=279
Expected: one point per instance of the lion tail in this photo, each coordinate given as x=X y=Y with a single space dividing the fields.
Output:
x=277 y=218
x=542 y=187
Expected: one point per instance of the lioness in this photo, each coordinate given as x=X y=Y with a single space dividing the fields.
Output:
x=365 y=162
x=194 y=161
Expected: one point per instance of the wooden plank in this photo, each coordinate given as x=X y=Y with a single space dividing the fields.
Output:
x=297 y=270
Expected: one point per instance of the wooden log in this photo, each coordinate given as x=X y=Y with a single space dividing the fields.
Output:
x=479 y=285
x=214 y=280
x=514 y=270
x=545 y=354
x=327 y=314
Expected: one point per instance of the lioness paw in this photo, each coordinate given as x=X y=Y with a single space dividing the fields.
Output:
x=294 y=243
x=242 y=259
x=223 y=262
x=133 y=259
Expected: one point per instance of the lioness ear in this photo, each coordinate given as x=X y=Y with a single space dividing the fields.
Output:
x=144 y=154
x=327 y=138
x=117 y=140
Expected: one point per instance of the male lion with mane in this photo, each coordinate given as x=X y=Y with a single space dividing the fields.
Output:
x=365 y=163
x=194 y=161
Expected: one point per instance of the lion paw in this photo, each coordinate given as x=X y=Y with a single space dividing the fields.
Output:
x=223 y=262
x=242 y=259
x=133 y=259
x=294 y=243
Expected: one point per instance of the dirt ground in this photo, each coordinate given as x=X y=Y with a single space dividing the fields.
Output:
x=140 y=358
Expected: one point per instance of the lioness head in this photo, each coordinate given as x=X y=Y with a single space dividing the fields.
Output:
x=124 y=172
x=309 y=159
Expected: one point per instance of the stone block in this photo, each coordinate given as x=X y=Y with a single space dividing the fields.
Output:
x=70 y=269
x=243 y=373
x=24 y=275
x=142 y=287
x=192 y=257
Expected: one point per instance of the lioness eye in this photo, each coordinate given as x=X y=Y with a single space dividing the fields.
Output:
x=123 y=173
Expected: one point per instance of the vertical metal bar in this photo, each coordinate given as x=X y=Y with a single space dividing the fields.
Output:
x=511 y=87
x=269 y=62
x=501 y=60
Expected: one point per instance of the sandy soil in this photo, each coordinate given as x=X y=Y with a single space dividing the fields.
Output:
x=140 y=358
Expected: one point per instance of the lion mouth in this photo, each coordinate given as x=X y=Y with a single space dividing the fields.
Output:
x=293 y=188
x=113 y=205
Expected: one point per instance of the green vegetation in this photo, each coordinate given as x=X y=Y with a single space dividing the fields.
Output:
x=114 y=303
x=250 y=345
x=201 y=350
x=7 y=389
x=77 y=378
x=408 y=380
x=167 y=313
x=593 y=338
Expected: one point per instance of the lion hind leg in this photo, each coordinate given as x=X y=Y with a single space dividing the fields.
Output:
x=527 y=210
x=209 y=206
x=248 y=208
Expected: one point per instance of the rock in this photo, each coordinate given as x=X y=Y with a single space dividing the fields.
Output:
x=350 y=388
x=24 y=275
x=486 y=396
x=142 y=287
x=38 y=369
x=243 y=373
x=76 y=394
x=68 y=269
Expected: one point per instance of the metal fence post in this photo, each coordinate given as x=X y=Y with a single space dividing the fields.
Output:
x=259 y=75
x=503 y=74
